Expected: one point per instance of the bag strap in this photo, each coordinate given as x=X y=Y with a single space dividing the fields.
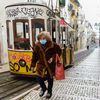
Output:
x=57 y=58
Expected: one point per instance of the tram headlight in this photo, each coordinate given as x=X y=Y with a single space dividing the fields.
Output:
x=22 y=62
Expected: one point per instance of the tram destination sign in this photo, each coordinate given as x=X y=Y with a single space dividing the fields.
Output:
x=18 y=12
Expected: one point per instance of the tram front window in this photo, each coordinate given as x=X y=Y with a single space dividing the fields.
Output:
x=37 y=27
x=21 y=35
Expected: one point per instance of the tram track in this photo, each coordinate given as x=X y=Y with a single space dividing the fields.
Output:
x=9 y=82
x=6 y=77
x=10 y=93
x=18 y=91
x=12 y=86
x=4 y=74
x=7 y=87
x=6 y=80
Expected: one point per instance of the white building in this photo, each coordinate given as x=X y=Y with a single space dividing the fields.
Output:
x=81 y=29
x=89 y=32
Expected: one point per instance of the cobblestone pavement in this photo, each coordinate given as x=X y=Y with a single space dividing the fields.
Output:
x=82 y=82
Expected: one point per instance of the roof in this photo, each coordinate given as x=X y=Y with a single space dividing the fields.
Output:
x=25 y=4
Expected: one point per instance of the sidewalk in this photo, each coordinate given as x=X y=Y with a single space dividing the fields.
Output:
x=4 y=68
x=81 y=50
x=82 y=82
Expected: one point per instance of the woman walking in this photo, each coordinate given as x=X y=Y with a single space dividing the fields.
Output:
x=44 y=57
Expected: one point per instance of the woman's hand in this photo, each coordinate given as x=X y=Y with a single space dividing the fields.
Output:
x=32 y=69
x=50 y=60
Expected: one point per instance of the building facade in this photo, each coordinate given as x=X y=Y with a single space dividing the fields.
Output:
x=81 y=29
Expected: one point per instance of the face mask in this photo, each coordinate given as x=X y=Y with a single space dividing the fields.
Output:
x=43 y=42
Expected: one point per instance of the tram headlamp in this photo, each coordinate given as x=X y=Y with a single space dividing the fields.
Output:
x=22 y=62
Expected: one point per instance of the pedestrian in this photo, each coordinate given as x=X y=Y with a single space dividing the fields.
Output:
x=44 y=60
x=87 y=44
x=87 y=47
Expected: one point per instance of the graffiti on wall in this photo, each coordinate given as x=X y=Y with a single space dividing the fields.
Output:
x=20 y=61
x=50 y=13
x=17 y=66
x=30 y=12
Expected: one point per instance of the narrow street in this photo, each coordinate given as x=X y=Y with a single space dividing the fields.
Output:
x=82 y=82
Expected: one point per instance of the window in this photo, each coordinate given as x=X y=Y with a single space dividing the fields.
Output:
x=21 y=34
x=53 y=30
x=62 y=3
x=49 y=24
x=37 y=27
x=62 y=35
x=9 y=34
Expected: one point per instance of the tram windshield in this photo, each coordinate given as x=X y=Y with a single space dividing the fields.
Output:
x=21 y=34
x=37 y=27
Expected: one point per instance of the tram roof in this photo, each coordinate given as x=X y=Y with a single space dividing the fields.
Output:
x=25 y=4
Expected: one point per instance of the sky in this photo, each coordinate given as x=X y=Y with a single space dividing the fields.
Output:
x=92 y=12
x=91 y=9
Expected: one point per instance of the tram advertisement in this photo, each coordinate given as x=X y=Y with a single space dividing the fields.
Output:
x=20 y=62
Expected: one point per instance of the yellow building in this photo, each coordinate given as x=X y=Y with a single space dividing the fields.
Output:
x=74 y=12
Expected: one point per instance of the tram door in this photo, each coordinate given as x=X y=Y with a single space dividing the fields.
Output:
x=37 y=27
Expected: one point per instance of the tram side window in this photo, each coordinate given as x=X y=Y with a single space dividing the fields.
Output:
x=62 y=35
x=9 y=35
x=58 y=31
x=49 y=25
x=21 y=36
x=54 y=30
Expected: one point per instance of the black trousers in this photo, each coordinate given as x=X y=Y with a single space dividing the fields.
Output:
x=42 y=84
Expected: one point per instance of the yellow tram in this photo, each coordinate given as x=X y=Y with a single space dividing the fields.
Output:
x=24 y=22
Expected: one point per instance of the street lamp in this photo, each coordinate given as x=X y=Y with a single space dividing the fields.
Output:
x=98 y=25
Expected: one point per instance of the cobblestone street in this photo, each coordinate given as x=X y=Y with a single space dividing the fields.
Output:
x=82 y=82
